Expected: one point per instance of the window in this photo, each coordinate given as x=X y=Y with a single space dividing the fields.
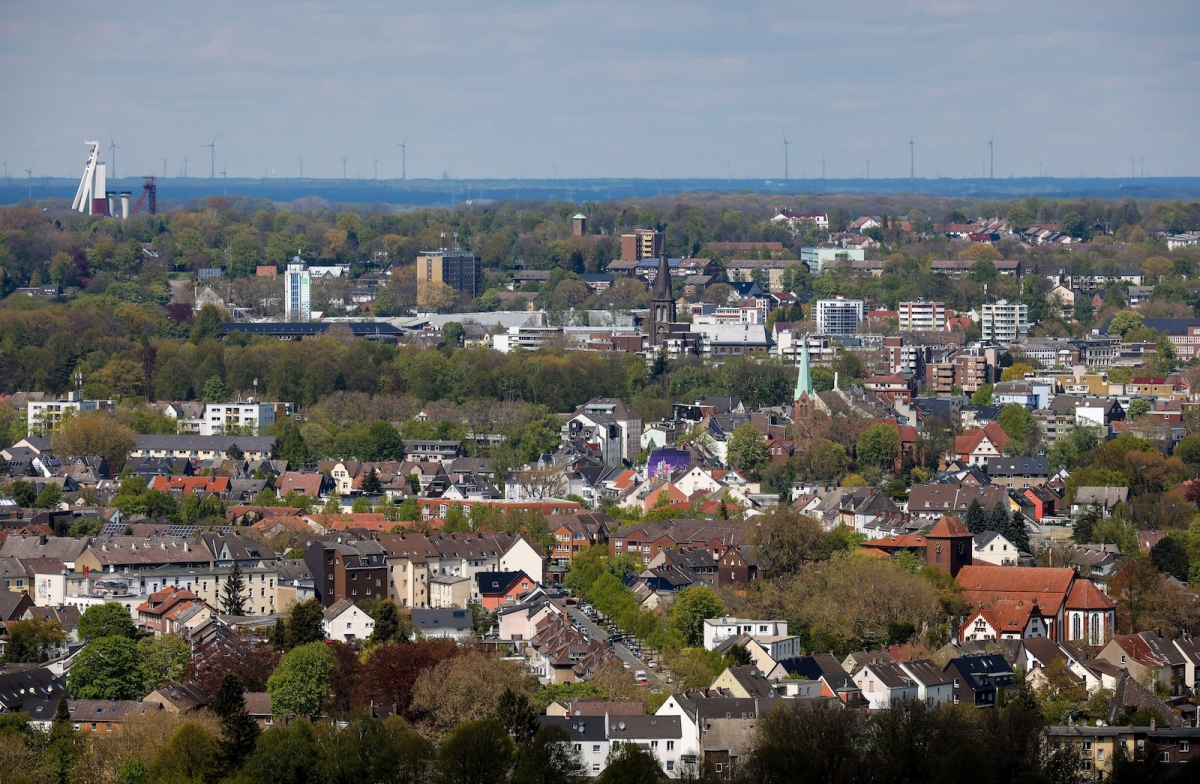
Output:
x=579 y=747
x=653 y=744
x=1100 y=755
x=720 y=767
x=671 y=763
x=595 y=748
x=670 y=745
x=1141 y=744
x=595 y=767
x=1166 y=756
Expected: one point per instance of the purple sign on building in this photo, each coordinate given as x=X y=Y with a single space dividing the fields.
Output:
x=663 y=461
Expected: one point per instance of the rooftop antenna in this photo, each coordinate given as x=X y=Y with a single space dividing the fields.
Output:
x=912 y=161
x=403 y=159
x=992 y=162
x=112 y=151
x=164 y=160
x=344 y=167
x=786 y=145
x=212 y=146
x=301 y=167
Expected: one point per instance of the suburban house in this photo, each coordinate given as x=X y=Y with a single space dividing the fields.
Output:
x=1149 y=656
x=444 y=623
x=346 y=622
x=979 y=680
x=974 y=447
x=493 y=589
x=884 y=683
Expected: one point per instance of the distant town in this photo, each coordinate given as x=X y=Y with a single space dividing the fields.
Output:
x=694 y=487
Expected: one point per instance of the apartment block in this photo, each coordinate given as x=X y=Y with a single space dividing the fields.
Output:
x=1004 y=321
x=838 y=316
x=461 y=270
x=44 y=415
x=922 y=316
x=248 y=418
x=642 y=244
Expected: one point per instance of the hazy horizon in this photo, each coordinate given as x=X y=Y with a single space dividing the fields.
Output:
x=605 y=90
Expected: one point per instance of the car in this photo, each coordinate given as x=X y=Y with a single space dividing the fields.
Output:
x=651 y=664
x=626 y=665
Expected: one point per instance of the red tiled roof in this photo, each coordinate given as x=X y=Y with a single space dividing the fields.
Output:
x=985 y=585
x=1086 y=596
x=947 y=528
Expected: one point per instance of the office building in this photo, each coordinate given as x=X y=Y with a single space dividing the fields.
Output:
x=1004 y=321
x=818 y=258
x=642 y=244
x=297 y=292
x=922 y=316
x=44 y=415
x=461 y=270
x=838 y=316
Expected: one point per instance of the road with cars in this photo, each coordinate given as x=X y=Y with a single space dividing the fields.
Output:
x=632 y=661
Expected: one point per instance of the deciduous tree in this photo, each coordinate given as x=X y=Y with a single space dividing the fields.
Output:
x=301 y=682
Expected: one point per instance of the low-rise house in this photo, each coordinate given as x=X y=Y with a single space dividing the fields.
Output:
x=1101 y=498
x=979 y=680
x=974 y=447
x=345 y=621
x=1018 y=472
x=1149 y=656
x=167 y=611
x=560 y=653
x=458 y=624
x=717 y=630
x=992 y=548
x=493 y=589
x=19 y=687
x=934 y=687
x=884 y=683
x=101 y=716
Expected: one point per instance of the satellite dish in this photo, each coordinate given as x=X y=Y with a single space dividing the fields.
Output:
x=621 y=725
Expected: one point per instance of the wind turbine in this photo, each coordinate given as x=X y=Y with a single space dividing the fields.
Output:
x=112 y=151
x=344 y=167
x=224 y=170
x=376 y=165
x=29 y=171
x=212 y=146
x=185 y=160
x=6 y=170
x=868 y=168
x=912 y=161
x=822 y=167
x=164 y=160
x=991 y=157
x=786 y=144
x=403 y=159
x=301 y=167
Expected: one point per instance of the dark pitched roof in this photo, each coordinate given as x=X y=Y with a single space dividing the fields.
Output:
x=1010 y=466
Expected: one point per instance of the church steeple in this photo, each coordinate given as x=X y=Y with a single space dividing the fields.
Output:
x=662 y=304
x=804 y=377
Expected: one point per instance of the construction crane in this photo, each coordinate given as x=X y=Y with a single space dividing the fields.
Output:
x=149 y=188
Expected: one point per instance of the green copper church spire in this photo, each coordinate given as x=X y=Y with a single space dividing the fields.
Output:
x=804 y=378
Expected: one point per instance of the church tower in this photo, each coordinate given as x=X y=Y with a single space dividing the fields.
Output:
x=662 y=305
x=802 y=401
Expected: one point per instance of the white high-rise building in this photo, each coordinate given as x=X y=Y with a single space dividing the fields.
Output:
x=922 y=316
x=1004 y=321
x=297 y=290
x=838 y=316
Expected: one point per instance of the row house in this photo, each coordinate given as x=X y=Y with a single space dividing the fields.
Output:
x=575 y=533
x=647 y=539
x=562 y=654
x=593 y=738
x=167 y=611
x=346 y=567
x=414 y=560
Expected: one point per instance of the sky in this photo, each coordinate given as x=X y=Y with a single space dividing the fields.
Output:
x=604 y=88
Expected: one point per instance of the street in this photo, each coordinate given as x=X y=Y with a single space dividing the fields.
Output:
x=655 y=678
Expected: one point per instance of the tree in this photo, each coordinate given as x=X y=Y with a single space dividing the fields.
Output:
x=1170 y=557
x=436 y=296
x=192 y=756
x=693 y=606
x=105 y=620
x=24 y=493
x=476 y=752
x=747 y=448
x=517 y=714
x=108 y=668
x=382 y=442
x=1188 y=449
x=1015 y=420
x=233 y=600
x=879 y=445
x=371 y=484
x=301 y=682
x=1016 y=372
x=164 y=659
x=550 y=758
x=361 y=505
x=285 y=755
x=208 y=324
x=629 y=764
x=33 y=641
x=49 y=498
x=62 y=751
x=94 y=434
x=390 y=624
x=463 y=688
x=1138 y=408
x=214 y=390
x=305 y=623
x=976 y=520
x=982 y=396
x=452 y=333
x=239 y=730
x=293 y=448
x=1125 y=322
x=1072 y=224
